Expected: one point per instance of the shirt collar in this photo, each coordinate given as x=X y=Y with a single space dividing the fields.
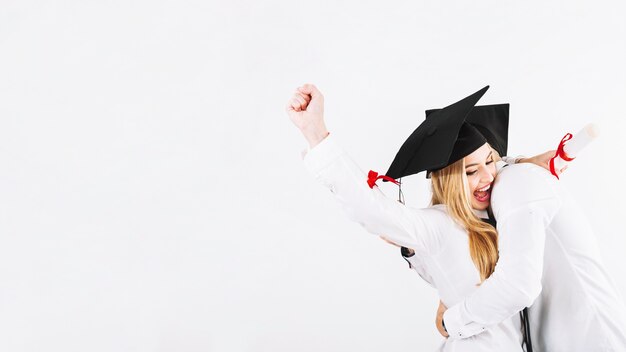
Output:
x=481 y=213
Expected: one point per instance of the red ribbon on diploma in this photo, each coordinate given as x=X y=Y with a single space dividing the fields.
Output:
x=373 y=176
x=560 y=152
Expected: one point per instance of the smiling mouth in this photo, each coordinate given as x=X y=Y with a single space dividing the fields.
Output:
x=483 y=194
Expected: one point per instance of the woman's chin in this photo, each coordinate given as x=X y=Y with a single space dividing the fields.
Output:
x=480 y=205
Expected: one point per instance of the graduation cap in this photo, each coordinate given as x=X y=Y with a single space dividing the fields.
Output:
x=442 y=139
x=492 y=121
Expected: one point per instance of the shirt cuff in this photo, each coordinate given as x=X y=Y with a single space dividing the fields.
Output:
x=455 y=325
x=512 y=160
x=323 y=154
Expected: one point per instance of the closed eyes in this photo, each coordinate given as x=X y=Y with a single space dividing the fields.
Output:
x=470 y=173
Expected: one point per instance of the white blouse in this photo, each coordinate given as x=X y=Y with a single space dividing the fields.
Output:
x=441 y=246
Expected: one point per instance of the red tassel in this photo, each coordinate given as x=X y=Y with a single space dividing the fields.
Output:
x=373 y=176
x=560 y=152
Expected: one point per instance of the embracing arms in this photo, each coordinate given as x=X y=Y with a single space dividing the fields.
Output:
x=524 y=202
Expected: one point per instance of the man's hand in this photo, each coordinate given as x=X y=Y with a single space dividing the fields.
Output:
x=439 y=320
x=306 y=111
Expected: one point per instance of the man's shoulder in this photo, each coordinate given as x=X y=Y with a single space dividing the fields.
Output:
x=521 y=184
x=526 y=175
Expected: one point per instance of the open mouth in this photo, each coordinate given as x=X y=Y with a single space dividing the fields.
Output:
x=483 y=194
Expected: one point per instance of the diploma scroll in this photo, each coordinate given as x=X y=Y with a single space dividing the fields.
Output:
x=571 y=146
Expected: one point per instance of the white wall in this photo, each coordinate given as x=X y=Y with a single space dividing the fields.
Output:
x=152 y=196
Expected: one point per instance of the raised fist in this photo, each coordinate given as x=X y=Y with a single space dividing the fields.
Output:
x=306 y=111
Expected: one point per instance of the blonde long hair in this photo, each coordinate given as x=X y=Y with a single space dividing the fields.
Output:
x=450 y=187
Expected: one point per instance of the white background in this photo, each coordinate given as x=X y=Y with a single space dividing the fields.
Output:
x=152 y=196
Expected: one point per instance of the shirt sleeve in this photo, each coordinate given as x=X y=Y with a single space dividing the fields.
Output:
x=406 y=226
x=416 y=265
x=511 y=160
x=524 y=203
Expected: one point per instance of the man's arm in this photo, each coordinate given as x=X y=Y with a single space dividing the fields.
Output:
x=524 y=203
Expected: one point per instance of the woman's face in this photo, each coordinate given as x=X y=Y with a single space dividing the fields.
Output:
x=480 y=169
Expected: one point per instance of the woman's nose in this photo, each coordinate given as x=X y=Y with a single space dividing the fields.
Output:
x=485 y=175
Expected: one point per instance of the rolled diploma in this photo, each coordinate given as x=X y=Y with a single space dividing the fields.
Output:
x=574 y=146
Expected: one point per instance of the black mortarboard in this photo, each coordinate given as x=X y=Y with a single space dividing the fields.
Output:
x=443 y=138
x=492 y=121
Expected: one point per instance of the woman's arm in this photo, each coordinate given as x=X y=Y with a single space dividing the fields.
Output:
x=542 y=160
x=413 y=228
x=333 y=168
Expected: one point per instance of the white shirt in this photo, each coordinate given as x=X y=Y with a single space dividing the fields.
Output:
x=441 y=246
x=547 y=252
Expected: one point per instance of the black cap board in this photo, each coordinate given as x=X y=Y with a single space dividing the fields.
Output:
x=492 y=121
x=442 y=139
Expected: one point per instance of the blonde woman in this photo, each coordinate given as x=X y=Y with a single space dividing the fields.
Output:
x=454 y=249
